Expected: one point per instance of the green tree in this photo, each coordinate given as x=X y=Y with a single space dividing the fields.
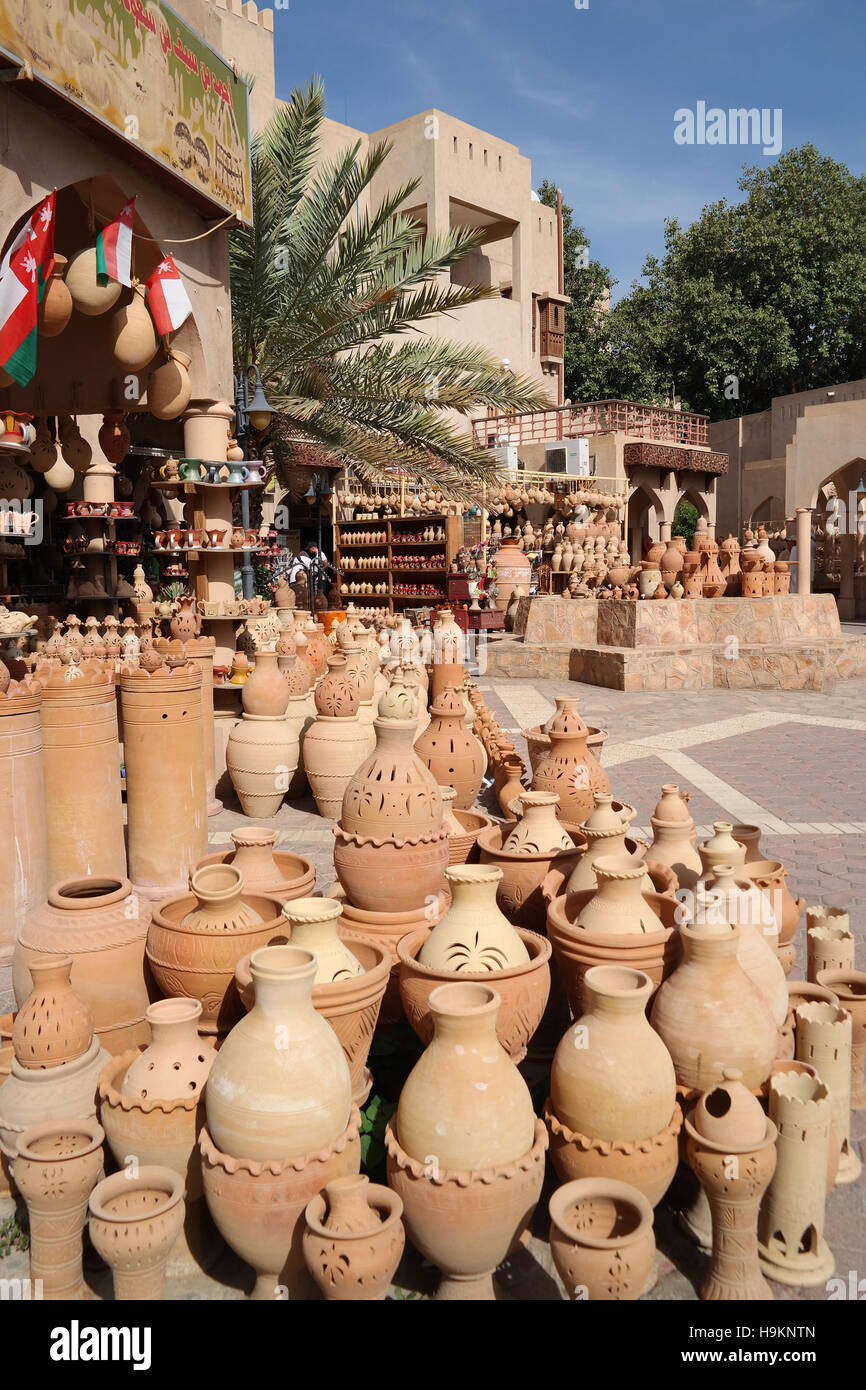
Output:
x=331 y=293
x=685 y=521
x=588 y=283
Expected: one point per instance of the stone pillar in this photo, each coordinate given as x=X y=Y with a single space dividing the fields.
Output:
x=666 y=531
x=804 y=550
x=201 y=651
x=847 y=561
x=22 y=814
x=205 y=436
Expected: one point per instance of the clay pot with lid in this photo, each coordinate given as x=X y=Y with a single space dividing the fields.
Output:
x=265 y=870
x=131 y=333
x=450 y=750
x=353 y=1239
x=538 y=741
x=313 y=926
x=602 y=1239
x=57 y=1165
x=568 y=767
x=53 y=1025
x=134 y=1222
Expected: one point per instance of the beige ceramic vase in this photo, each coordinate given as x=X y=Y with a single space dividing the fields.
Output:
x=725 y=900
x=465 y=1104
x=135 y=1220
x=57 y=1165
x=220 y=906
x=337 y=743
x=280 y=1086
x=53 y=1025
x=672 y=837
x=721 y=848
x=353 y=1239
x=177 y=1062
x=450 y=750
x=313 y=924
x=131 y=333
x=602 y=1239
x=392 y=794
x=539 y=830
x=791 y=1243
x=262 y=756
x=606 y=833
x=612 y=1076
x=568 y=767
x=473 y=935
x=618 y=907
x=265 y=692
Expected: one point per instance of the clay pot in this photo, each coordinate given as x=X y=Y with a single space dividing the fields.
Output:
x=772 y=877
x=177 y=1062
x=29 y=1097
x=538 y=741
x=569 y=768
x=464 y=829
x=134 y=1222
x=53 y=1025
x=169 y=387
x=712 y=580
x=55 y=311
x=389 y=875
x=528 y=879
x=131 y=333
x=726 y=900
x=575 y=949
x=606 y=833
x=266 y=871
x=386 y=929
x=262 y=755
x=799 y=992
x=602 y=1239
x=619 y=905
x=672 y=837
x=265 y=692
x=392 y=794
x=512 y=569
x=670 y=563
x=450 y=750
x=509 y=775
x=57 y=1166
x=258 y=1205
x=721 y=848
x=313 y=924
x=271 y=1064
x=829 y=941
x=791 y=1244
x=538 y=831
x=648 y=1164
x=114 y=438
x=824 y=1035
x=334 y=748
x=88 y=295
x=473 y=935
x=198 y=961
x=710 y=1015
x=748 y=835
x=523 y=989
x=612 y=1076
x=353 y=1239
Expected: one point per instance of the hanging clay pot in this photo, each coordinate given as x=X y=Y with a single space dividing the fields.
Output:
x=57 y=1165
x=75 y=450
x=55 y=311
x=568 y=767
x=353 y=1239
x=114 y=437
x=619 y=906
x=131 y=332
x=602 y=1239
x=169 y=387
x=473 y=935
x=450 y=750
x=313 y=923
x=510 y=789
x=88 y=295
x=539 y=830
x=178 y=1061
x=135 y=1219
x=53 y=1025
x=276 y=1100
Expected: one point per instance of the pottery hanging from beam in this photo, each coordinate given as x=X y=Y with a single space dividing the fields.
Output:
x=791 y=1244
x=57 y=1165
x=89 y=296
x=169 y=388
x=353 y=1239
x=131 y=333
x=602 y=1239
x=135 y=1220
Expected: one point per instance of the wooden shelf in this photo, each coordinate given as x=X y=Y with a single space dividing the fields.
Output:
x=209 y=550
x=399 y=536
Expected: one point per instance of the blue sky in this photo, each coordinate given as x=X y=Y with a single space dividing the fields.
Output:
x=589 y=95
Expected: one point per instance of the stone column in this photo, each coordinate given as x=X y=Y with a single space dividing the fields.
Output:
x=22 y=813
x=804 y=550
x=847 y=560
x=666 y=531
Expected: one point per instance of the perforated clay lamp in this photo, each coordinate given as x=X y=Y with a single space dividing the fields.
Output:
x=539 y=831
x=473 y=935
x=313 y=923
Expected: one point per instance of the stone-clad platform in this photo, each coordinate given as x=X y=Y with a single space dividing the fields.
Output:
x=784 y=643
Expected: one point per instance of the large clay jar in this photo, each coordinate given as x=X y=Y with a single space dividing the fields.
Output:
x=473 y=935
x=266 y=871
x=22 y=811
x=337 y=743
x=131 y=333
x=612 y=1076
x=57 y=1165
x=710 y=1015
x=672 y=837
x=265 y=692
x=353 y=1239
x=169 y=388
x=568 y=768
x=726 y=900
x=81 y=761
x=619 y=906
x=539 y=830
x=512 y=569
x=102 y=925
x=55 y=311
x=88 y=295
x=358 y=671
x=313 y=924
x=771 y=876
x=135 y=1220
x=390 y=875
x=392 y=793
x=450 y=750
x=280 y=1086
x=53 y=1025
x=602 y=1239
x=732 y=1150
x=262 y=755
x=791 y=1243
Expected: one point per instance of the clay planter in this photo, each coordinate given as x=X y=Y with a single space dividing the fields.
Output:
x=829 y=942
x=450 y=750
x=523 y=890
x=463 y=846
x=648 y=1164
x=262 y=755
x=102 y=925
x=22 y=826
x=29 y=1097
x=576 y=950
x=385 y=929
x=824 y=1033
x=353 y=1239
x=351 y=1006
x=523 y=989
x=134 y=1222
x=568 y=768
x=602 y=1239
x=466 y=1223
x=273 y=873
x=772 y=877
x=258 y=1206
x=791 y=1243
x=849 y=987
x=721 y=849
x=538 y=742
x=390 y=875
x=53 y=1025
x=473 y=934
x=198 y=963
x=56 y=1167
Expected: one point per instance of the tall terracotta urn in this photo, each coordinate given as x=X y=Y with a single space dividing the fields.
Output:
x=81 y=760
x=22 y=811
x=568 y=767
x=337 y=743
x=165 y=777
x=512 y=568
x=450 y=750
x=135 y=1219
x=57 y=1165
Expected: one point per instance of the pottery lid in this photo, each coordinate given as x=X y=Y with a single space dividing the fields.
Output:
x=730 y=1115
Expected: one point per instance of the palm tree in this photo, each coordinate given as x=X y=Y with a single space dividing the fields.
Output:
x=329 y=302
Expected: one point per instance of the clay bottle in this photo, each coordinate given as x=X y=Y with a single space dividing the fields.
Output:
x=392 y=795
x=568 y=767
x=539 y=831
x=220 y=906
x=178 y=1061
x=53 y=1025
x=619 y=907
x=473 y=935
x=313 y=923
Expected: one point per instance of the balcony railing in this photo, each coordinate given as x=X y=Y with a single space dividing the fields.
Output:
x=656 y=422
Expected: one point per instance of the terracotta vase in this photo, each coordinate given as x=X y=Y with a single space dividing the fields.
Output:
x=672 y=837
x=791 y=1243
x=568 y=767
x=510 y=788
x=771 y=876
x=824 y=1034
x=713 y=581
x=313 y=923
x=473 y=935
x=829 y=941
x=726 y=900
x=30 y=1096
x=732 y=1151
x=169 y=387
x=721 y=848
x=220 y=906
x=131 y=333
x=102 y=925
x=265 y=692
x=709 y=1014
x=800 y=992
x=602 y=1239
x=612 y=1076
x=88 y=295
x=606 y=833
x=337 y=743
x=22 y=826
x=450 y=750
x=265 y=871
x=671 y=563
x=280 y=1086
x=178 y=1061
x=134 y=1222
x=258 y=1206
x=619 y=905
x=55 y=311
x=262 y=754
x=53 y=1025
x=849 y=987
x=353 y=1239
x=57 y=1165
x=392 y=794
x=539 y=831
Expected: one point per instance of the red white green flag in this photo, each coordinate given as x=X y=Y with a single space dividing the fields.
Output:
x=114 y=248
x=167 y=298
x=22 y=286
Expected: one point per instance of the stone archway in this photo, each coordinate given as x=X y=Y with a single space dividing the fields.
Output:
x=646 y=516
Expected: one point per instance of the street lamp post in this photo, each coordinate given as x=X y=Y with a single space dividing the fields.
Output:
x=250 y=415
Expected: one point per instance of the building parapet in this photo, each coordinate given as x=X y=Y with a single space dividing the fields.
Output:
x=664 y=456
x=650 y=422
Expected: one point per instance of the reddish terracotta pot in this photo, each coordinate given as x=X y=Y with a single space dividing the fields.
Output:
x=575 y=950
x=22 y=837
x=276 y=873
x=450 y=750
x=538 y=742
x=523 y=892
x=602 y=1239
x=390 y=875
x=568 y=768
x=353 y=1239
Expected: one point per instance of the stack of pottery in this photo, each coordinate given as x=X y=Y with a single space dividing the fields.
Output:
x=721 y=848
x=673 y=842
x=729 y=564
x=605 y=832
x=829 y=941
x=337 y=742
x=824 y=1037
x=568 y=768
x=263 y=749
x=280 y=1121
x=301 y=708
x=450 y=750
x=465 y=1151
x=266 y=871
x=612 y=1111
x=538 y=851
